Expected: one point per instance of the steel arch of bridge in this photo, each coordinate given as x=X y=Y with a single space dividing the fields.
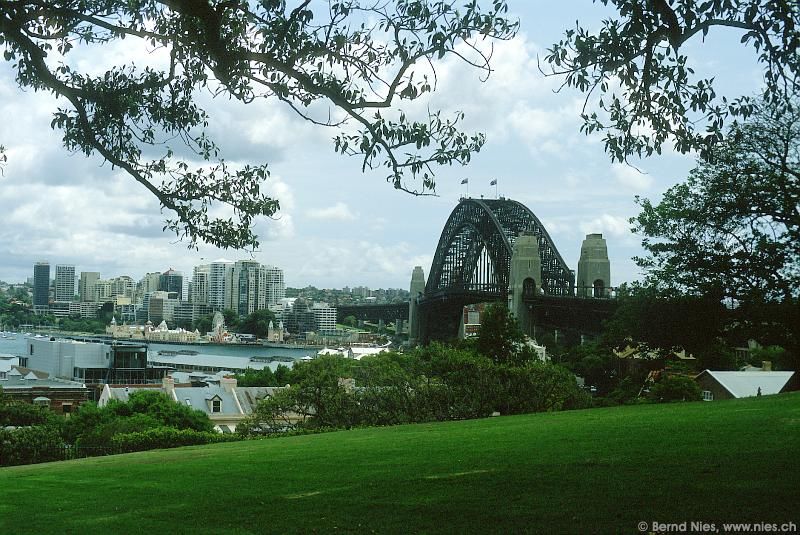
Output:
x=473 y=256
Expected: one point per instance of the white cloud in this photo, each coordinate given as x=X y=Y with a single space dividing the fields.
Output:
x=634 y=179
x=338 y=212
x=613 y=225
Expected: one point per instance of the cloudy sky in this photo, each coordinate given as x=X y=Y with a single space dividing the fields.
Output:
x=339 y=227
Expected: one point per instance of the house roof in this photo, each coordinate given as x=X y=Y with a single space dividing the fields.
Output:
x=746 y=384
x=199 y=397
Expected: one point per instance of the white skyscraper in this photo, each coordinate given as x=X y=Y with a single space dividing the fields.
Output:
x=64 y=283
x=275 y=289
x=219 y=284
x=200 y=281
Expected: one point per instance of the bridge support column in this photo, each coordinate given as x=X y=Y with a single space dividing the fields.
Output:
x=525 y=280
x=417 y=289
x=594 y=268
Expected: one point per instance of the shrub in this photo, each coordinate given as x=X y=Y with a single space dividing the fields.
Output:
x=29 y=445
x=166 y=437
x=675 y=388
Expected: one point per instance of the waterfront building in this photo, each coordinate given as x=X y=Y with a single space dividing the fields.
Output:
x=162 y=306
x=324 y=318
x=188 y=313
x=90 y=363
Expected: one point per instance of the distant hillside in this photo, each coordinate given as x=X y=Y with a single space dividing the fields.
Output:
x=600 y=470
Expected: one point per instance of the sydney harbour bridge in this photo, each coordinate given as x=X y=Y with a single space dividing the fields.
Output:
x=497 y=250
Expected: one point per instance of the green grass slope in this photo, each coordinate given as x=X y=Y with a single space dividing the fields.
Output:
x=594 y=471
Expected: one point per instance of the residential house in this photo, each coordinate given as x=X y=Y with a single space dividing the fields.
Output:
x=742 y=384
x=225 y=403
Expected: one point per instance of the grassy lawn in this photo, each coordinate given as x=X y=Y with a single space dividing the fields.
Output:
x=594 y=471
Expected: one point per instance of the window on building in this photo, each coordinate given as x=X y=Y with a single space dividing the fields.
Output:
x=30 y=349
x=216 y=405
x=708 y=395
x=66 y=408
x=3 y=376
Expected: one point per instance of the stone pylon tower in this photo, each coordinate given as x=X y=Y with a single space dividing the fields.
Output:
x=594 y=268
x=525 y=279
x=417 y=289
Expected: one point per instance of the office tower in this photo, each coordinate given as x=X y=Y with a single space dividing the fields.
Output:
x=41 y=284
x=87 y=286
x=171 y=281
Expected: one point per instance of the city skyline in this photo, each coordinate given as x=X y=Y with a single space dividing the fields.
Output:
x=338 y=227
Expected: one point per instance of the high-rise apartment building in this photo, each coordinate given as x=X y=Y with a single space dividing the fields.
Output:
x=171 y=281
x=275 y=287
x=102 y=291
x=220 y=284
x=200 y=281
x=255 y=287
x=147 y=285
x=122 y=286
x=87 y=291
x=41 y=285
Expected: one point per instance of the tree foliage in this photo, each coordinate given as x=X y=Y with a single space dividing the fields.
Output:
x=500 y=337
x=257 y=322
x=732 y=229
x=648 y=92
x=336 y=62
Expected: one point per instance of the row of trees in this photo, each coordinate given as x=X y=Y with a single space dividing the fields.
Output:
x=428 y=384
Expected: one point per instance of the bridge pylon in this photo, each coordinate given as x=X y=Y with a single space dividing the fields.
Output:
x=417 y=289
x=525 y=280
x=594 y=268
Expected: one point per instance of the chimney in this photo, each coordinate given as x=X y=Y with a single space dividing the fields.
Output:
x=766 y=365
x=228 y=383
x=168 y=384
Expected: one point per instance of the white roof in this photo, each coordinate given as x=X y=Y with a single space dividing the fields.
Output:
x=227 y=362
x=746 y=384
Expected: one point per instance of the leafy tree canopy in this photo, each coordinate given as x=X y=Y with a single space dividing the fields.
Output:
x=648 y=94
x=732 y=229
x=336 y=62
x=257 y=322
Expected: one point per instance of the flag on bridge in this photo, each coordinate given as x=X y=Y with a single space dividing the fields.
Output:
x=465 y=181
x=493 y=182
